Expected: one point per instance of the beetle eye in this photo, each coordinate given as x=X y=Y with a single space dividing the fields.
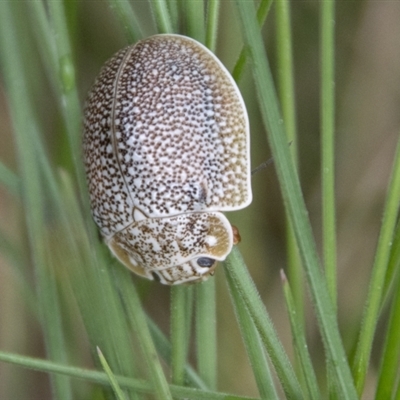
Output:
x=205 y=262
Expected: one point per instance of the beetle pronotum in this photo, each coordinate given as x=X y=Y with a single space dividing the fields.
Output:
x=166 y=148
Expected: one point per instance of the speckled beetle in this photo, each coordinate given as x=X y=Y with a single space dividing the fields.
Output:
x=166 y=148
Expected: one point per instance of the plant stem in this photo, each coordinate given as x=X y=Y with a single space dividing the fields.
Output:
x=294 y=201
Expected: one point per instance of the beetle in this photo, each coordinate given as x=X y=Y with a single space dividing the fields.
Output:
x=166 y=151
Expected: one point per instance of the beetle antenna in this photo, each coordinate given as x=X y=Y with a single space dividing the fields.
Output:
x=262 y=166
x=265 y=164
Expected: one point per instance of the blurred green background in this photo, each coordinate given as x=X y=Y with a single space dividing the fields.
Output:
x=367 y=122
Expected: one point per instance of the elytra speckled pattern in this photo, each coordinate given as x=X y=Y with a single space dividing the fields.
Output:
x=111 y=202
x=166 y=133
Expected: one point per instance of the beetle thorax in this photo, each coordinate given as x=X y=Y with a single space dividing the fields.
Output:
x=174 y=249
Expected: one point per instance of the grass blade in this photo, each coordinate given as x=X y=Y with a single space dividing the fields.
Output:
x=90 y=280
x=237 y=271
x=127 y=19
x=206 y=332
x=212 y=24
x=195 y=21
x=393 y=269
x=173 y=7
x=180 y=327
x=160 y=10
x=206 y=321
x=327 y=48
x=9 y=180
x=135 y=385
x=253 y=344
x=375 y=293
x=390 y=361
x=287 y=100
x=139 y=322
x=26 y=131
x=262 y=13
x=69 y=99
x=119 y=394
x=300 y=343
x=164 y=350
x=294 y=201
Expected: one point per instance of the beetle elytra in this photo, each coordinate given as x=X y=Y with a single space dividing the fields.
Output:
x=166 y=148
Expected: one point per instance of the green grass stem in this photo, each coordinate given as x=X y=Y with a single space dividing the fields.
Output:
x=46 y=43
x=397 y=395
x=138 y=319
x=237 y=271
x=393 y=268
x=89 y=273
x=327 y=49
x=26 y=131
x=390 y=361
x=119 y=394
x=195 y=20
x=173 y=7
x=180 y=327
x=375 y=293
x=254 y=346
x=206 y=332
x=262 y=12
x=294 y=201
x=164 y=350
x=101 y=378
x=212 y=24
x=69 y=99
x=300 y=343
x=163 y=19
x=9 y=180
x=287 y=101
x=127 y=19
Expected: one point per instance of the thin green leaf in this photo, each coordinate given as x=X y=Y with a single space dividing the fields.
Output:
x=160 y=10
x=206 y=332
x=69 y=98
x=26 y=131
x=390 y=361
x=375 y=293
x=136 y=385
x=262 y=13
x=173 y=8
x=194 y=13
x=180 y=327
x=9 y=180
x=253 y=344
x=287 y=101
x=113 y=382
x=294 y=201
x=164 y=350
x=237 y=271
x=393 y=268
x=46 y=43
x=300 y=343
x=397 y=395
x=138 y=321
x=212 y=24
x=327 y=49
x=127 y=19
x=90 y=277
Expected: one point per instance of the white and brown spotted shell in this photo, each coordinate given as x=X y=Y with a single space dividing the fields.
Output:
x=166 y=147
